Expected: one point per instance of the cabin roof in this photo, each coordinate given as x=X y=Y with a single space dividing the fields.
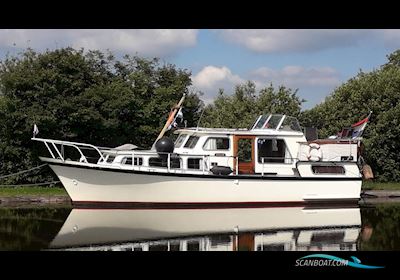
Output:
x=240 y=131
x=271 y=124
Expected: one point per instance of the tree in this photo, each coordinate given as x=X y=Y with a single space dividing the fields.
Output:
x=379 y=92
x=242 y=107
x=83 y=96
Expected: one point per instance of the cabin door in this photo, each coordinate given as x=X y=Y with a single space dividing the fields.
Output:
x=243 y=149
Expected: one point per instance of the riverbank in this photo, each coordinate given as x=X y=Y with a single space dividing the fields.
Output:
x=381 y=191
x=32 y=191
x=33 y=195
x=390 y=186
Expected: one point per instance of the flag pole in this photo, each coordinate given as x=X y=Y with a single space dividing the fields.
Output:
x=171 y=118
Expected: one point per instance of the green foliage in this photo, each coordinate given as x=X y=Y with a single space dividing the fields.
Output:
x=378 y=91
x=242 y=107
x=84 y=96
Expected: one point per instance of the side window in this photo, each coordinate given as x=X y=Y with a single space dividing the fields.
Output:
x=138 y=161
x=158 y=247
x=193 y=163
x=216 y=143
x=272 y=150
x=110 y=159
x=159 y=162
x=191 y=142
x=179 y=141
x=127 y=160
x=327 y=169
x=193 y=245
x=155 y=161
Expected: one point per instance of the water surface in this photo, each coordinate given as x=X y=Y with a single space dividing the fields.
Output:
x=366 y=227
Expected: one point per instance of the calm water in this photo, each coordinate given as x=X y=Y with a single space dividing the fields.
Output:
x=368 y=227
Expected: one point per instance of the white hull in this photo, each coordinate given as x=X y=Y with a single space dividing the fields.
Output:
x=90 y=185
x=110 y=226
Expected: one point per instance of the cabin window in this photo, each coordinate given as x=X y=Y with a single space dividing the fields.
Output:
x=271 y=247
x=127 y=160
x=193 y=163
x=175 y=162
x=138 y=161
x=191 y=142
x=216 y=143
x=161 y=162
x=327 y=169
x=272 y=150
x=155 y=161
x=193 y=246
x=220 y=240
x=179 y=141
x=327 y=237
x=158 y=247
x=174 y=247
x=110 y=159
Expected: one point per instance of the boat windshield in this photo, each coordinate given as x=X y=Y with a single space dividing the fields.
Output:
x=277 y=122
x=290 y=124
x=260 y=122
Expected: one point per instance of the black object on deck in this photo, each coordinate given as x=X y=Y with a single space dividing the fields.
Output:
x=221 y=170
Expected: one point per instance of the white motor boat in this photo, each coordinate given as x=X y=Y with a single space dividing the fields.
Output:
x=270 y=163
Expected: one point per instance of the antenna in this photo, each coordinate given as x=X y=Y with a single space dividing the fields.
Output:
x=198 y=123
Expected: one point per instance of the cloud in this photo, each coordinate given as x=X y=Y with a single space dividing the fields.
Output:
x=307 y=80
x=391 y=38
x=148 y=42
x=305 y=40
x=297 y=76
x=211 y=78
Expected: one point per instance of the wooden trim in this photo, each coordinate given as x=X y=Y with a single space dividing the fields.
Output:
x=249 y=167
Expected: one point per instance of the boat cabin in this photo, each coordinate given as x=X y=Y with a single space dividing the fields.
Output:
x=272 y=141
x=275 y=145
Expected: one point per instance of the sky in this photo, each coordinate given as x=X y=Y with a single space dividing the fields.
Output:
x=314 y=61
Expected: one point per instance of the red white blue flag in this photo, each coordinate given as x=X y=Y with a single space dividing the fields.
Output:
x=358 y=128
x=178 y=118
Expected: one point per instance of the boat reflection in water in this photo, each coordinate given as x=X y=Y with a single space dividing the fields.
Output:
x=254 y=229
